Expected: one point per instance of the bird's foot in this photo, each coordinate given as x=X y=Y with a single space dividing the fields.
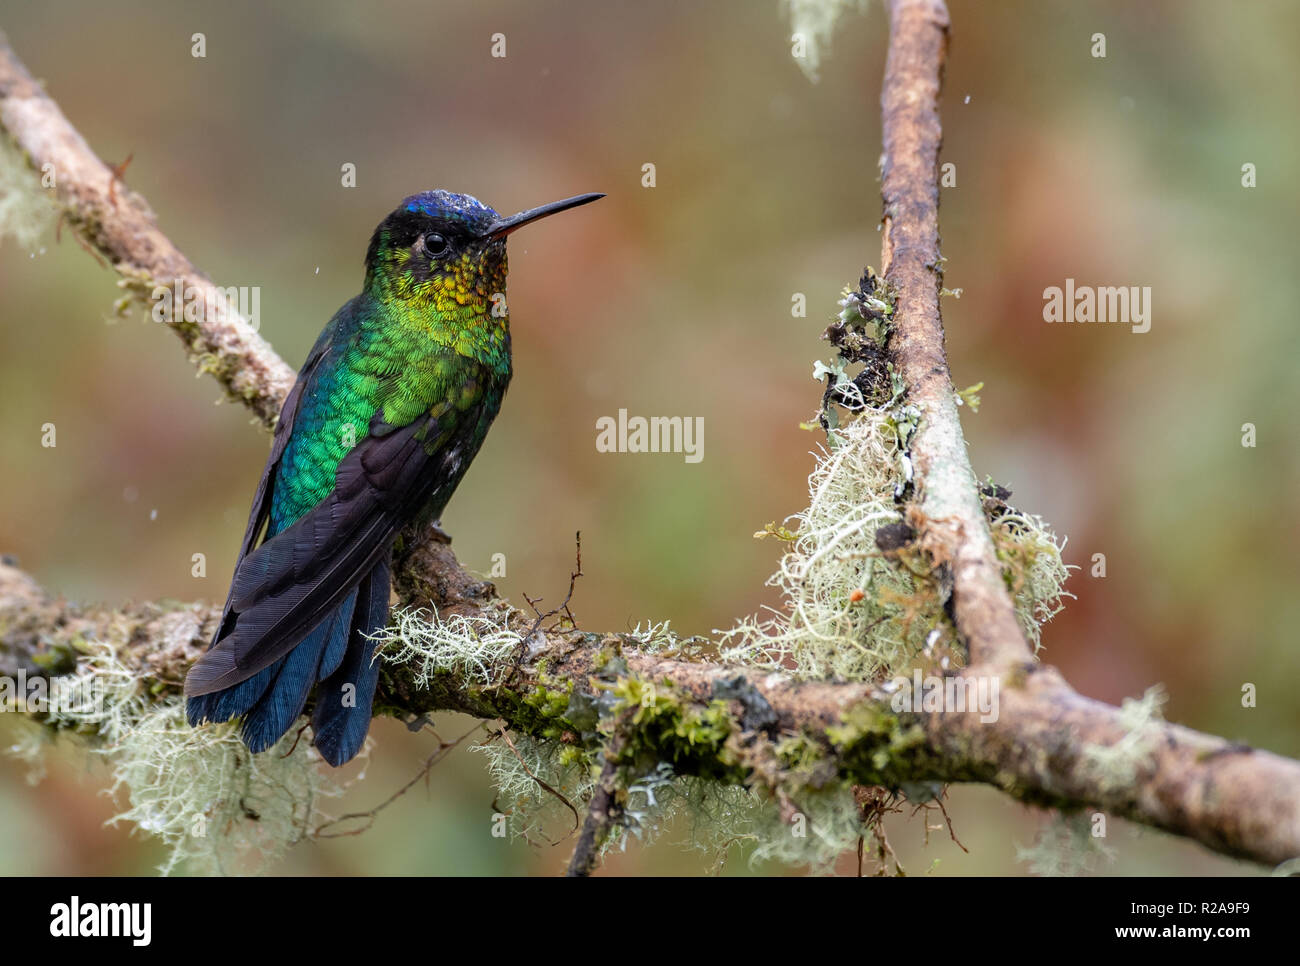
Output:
x=438 y=533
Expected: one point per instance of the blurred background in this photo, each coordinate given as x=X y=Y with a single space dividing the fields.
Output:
x=675 y=300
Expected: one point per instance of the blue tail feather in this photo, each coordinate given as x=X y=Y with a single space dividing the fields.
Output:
x=299 y=670
x=338 y=656
x=338 y=642
x=232 y=702
x=345 y=699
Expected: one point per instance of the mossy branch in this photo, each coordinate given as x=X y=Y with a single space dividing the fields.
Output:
x=741 y=726
x=676 y=709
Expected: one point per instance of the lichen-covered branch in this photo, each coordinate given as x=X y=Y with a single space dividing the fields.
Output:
x=1048 y=746
x=644 y=701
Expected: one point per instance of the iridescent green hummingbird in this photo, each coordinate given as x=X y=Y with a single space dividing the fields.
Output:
x=386 y=415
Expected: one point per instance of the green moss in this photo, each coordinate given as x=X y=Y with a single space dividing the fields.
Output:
x=540 y=712
x=58 y=658
x=876 y=745
x=663 y=725
x=571 y=756
x=799 y=752
x=603 y=657
x=806 y=764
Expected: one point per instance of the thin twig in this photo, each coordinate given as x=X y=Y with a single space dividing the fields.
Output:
x=564 y=606
x=444 y=749
x=577 y=819
x=603 y=814
x=526 y=640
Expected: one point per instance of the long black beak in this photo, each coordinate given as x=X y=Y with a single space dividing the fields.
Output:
x=504 y=226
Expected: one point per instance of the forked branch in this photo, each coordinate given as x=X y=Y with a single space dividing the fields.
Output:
x=1048 y=745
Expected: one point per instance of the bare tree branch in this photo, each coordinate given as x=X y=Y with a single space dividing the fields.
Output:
x=1047 y=745
x=118 y=224
x=955 y=532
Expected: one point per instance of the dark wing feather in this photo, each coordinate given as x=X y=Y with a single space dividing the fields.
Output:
x=260 y=511
x=290 y=583
x=219 y=707
x=272 y=716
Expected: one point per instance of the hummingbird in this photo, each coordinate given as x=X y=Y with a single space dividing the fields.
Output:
x=383 y=421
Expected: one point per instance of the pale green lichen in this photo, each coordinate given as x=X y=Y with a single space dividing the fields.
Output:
x=530 y=811
x=854 y=612
x=216 y=807
x=1116 y=766
x=472 y=648
x=813 y=25
x=478 y=649
x=714 y=817
x=30 y=745
x=851 y=612
x=1066 y=846
x=653 y=637
x=26 y=213
x=1032 y=566
x=539 y=814
x=820 y=827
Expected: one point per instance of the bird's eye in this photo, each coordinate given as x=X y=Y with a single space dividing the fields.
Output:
x=435 y=244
